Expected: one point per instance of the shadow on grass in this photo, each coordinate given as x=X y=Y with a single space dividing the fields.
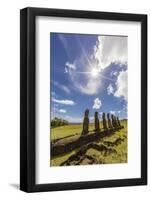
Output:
x=61 y=147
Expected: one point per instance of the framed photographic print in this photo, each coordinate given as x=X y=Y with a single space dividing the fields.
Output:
x=83 y=95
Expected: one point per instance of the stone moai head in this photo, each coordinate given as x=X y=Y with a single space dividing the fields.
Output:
x=103 y=115
x=109 y=121
x=104 y=121
x=115 y=121
x=96 y=122
x=96 y=115
x=118 y=121
x=86 y=114
x=86 y=122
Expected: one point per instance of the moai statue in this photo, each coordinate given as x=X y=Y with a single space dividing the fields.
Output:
x=86 y=123
x=109 y=121
x=113 y=121
x=118 y=121
x=104 y=121
x=96 y=122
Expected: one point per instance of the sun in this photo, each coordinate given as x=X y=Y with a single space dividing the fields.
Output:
x=94 y=72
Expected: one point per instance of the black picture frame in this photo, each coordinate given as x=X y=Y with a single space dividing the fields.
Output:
x=28 y=98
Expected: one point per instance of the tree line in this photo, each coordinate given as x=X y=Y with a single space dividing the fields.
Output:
x=58 y=122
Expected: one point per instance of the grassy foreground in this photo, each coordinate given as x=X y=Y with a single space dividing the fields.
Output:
x=114 y=147
x=68 y=130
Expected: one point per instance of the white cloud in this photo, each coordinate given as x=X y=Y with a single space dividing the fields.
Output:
x=53 y=94
x=72 y=119
x=64 y=102
x=90 y=88
x=65 y=88
x=82 y=78
x=114 y=73
x=91 y=118
x=69 y=67
x=97 y=103
x=81 y=73
x=100 y=113
x=62 y=87
x=112 y=112
x=121 y=85
x=115 y=112
x=110 y=89
x=110 y=49
x=65 y=70
x=62 y=111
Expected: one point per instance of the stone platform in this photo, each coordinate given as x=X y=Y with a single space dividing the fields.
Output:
x=66 y=145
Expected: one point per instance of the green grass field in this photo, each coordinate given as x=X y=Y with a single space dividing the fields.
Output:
x=115 y=146
x=68 y=130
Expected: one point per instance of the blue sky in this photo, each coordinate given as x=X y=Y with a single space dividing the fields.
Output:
x=88 y=71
